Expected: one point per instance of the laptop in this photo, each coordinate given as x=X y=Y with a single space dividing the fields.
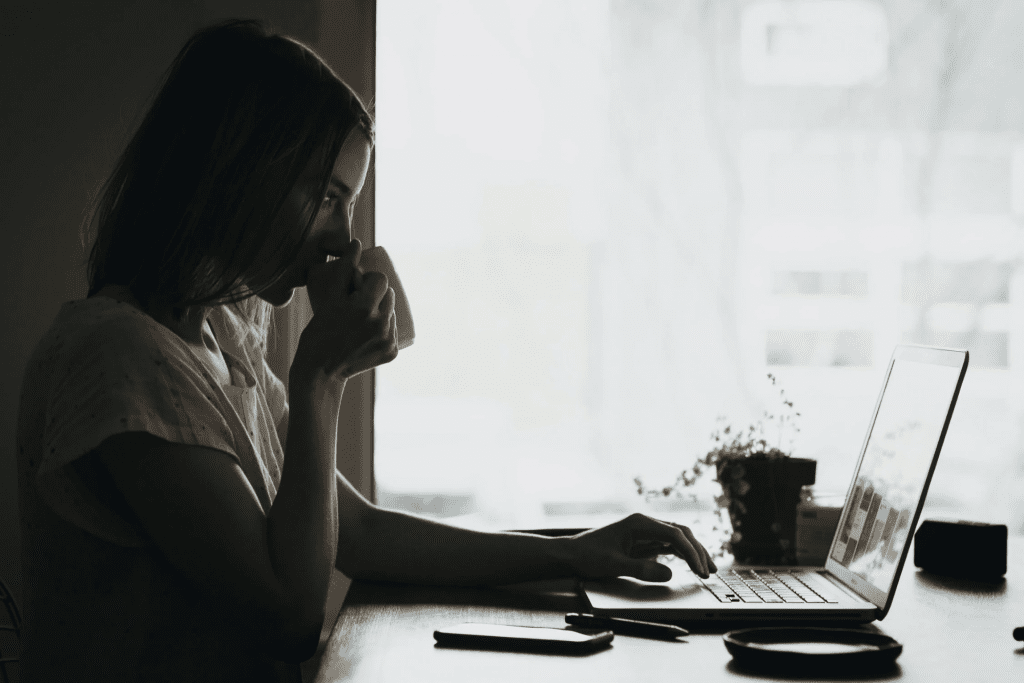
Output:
x=882 y=507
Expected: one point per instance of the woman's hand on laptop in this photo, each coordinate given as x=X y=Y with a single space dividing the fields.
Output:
x=628 y=548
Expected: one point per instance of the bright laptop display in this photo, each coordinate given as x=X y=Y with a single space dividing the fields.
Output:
x=886 y=495
x=897 y=462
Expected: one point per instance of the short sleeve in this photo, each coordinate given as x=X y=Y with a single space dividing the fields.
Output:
x=114 y=378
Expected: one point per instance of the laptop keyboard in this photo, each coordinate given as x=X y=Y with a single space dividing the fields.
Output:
x=761 y=586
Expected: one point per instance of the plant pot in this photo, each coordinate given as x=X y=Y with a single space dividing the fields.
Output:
x=763 y=494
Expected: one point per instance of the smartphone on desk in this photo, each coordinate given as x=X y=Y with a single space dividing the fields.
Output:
x=522 y=638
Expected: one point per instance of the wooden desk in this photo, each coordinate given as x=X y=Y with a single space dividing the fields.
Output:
x=951 y=630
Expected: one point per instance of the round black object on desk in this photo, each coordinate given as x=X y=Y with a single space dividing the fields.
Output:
x=802 y=651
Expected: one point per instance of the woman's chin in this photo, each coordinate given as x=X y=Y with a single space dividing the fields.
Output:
x=279 y=298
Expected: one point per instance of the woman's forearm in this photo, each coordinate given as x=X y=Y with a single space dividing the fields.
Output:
x=395 y=546
x=302 y=527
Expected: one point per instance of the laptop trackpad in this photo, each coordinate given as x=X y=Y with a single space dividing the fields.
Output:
x=625 y=591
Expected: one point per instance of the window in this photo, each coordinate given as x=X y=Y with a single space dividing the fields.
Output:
x=609 y=241
x=821 y=42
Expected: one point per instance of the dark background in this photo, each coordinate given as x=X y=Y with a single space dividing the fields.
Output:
x=74 y=83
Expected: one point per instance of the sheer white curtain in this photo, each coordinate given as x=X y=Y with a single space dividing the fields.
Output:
x=613 y=219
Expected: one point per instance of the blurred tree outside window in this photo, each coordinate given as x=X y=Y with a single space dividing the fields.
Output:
x=613 y=219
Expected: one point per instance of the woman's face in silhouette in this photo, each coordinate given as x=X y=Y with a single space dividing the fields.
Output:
x=332 y=227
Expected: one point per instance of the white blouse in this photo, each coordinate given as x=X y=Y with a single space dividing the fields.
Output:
x=99 y=595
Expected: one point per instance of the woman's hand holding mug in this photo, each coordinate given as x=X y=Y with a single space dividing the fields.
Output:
x=377 y=259
x=354 y=326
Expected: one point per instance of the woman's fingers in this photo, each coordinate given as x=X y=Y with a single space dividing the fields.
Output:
x=647 y=570
x=386 y=307
x=335 y=279
x=630 y=547
x=652 y=548
x=644 y=549
x=394 y=322
x=708 y=562
x=374 y=289
x=644 y=527
x=358 y=330
x=647 y=549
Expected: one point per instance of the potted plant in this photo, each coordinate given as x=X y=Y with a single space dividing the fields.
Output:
x=760 y=488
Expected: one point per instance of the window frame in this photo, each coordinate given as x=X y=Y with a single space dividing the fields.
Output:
x=346 y=38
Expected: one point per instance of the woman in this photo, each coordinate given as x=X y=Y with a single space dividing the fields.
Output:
x=164 y=537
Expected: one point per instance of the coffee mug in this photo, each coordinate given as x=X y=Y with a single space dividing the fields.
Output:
x=376 y=259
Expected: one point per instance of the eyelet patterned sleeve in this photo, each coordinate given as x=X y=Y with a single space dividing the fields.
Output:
x=116 y=377
x=99 y=596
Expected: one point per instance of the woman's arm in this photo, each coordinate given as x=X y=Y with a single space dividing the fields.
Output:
x=302 y=525
x=388 y=545
x=353 y=330
x=197 y=505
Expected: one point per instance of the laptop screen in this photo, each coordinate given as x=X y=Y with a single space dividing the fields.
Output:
x=895 y=466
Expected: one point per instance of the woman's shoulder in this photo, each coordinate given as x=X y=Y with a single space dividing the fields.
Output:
x=100 y=326
x=101 y=316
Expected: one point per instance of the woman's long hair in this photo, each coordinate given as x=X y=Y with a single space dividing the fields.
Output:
x=187 y=218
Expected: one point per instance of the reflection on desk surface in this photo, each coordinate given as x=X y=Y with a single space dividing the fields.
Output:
x=951 y=630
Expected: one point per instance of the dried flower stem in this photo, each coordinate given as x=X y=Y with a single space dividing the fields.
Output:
x=731 y=445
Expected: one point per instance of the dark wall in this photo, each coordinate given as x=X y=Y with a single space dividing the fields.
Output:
x=74 y=77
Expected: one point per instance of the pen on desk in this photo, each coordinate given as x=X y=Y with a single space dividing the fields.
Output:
x=626 y=627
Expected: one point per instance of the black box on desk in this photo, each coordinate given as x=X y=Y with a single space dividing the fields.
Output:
x=973 y=550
